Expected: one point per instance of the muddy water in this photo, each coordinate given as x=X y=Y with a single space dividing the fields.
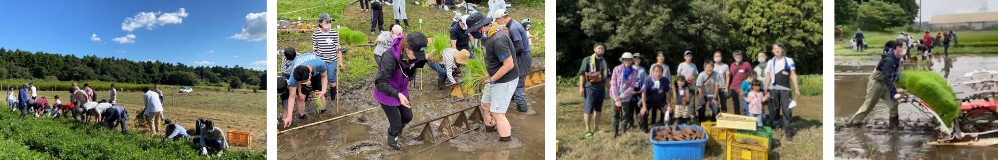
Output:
x=363 y=136
x=875 y=142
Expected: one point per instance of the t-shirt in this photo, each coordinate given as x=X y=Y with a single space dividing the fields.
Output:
x=656 y=89
x=34 y=91
x=688 y=70
x=461 y=39
x=99 y=107
x=519 y=36
x=708 y=82
x=594 y=67
x=722 y=71
x=326 y=45
x=113 y=93
x=739 y=72
x=153 y=104
x=174 y=130
x=498 y=47
x=384 y=43
x=42 y=102
x=777 y=65
x=307 y=59
x=746 y=87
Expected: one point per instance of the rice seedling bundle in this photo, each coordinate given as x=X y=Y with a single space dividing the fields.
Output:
x=934 y=90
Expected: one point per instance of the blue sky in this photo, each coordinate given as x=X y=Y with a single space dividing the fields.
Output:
x=192 y=32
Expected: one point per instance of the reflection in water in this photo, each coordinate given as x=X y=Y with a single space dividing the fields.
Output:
x=947 y=65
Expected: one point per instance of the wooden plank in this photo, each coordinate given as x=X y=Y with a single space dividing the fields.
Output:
x=980 y=142
x=324 y=121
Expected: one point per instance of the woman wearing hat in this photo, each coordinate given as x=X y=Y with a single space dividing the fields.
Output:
x=622 y=83
x=449 y=57
x=501 y=82
x=392 y=81
x=326 y=44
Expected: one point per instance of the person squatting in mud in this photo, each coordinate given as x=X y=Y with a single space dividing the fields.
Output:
x=308 y=69
x=502 y=79
x=882 y=84
x=392 y=80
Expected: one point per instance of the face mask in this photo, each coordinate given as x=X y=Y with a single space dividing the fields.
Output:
x=763 y=60
x=326 y=26
x=717 y=59
x=738 y=60
x=477 y=35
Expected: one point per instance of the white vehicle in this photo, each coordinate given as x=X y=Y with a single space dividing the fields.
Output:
x=186 y=90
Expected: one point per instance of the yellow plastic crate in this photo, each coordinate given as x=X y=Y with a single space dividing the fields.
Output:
x=738 y=151
x=239 y=138
x=717 y=135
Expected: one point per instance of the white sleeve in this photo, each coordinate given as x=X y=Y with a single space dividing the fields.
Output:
x=791 y=63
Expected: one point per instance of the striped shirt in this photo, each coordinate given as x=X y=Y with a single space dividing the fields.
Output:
x=326 y=45
x=448 y=62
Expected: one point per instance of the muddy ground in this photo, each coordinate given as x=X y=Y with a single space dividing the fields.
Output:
x=363 y=135
x=909 y=142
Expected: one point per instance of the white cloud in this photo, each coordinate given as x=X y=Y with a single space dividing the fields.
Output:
x=256 y=68
x=254 y=28
x=150 y=60
x=120 y=51
x=211 y=51
x=150 y=21
x=127 y=39
x=236 y=56
x=259 y=63
x=204 y=62
x=94 y=37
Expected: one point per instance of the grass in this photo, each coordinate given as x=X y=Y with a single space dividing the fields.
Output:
x=635 y=145
x=970 y=42
x=359 y=59
x=68 y=139
x=811 y=85
x=243 y=110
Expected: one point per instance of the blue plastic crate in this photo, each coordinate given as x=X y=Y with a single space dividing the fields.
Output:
x=678 y=150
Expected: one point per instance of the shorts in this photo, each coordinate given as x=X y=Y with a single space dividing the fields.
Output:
x=682 y=111
x=499 y=95
x=331 y=71
x=594 y=100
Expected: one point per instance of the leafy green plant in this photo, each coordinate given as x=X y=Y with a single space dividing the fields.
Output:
x=351 y=37
x=440 y=42
x=934 y=90
x=474 y=74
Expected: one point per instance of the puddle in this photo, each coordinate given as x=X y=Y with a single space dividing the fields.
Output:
x=873 y=140
x=363 y=135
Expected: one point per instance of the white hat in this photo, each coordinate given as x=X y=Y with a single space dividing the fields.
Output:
x=499 y=13
x=626 y=55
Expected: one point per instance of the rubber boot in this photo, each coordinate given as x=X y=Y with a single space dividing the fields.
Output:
x=504 y=139
x=490 y=129
x=440 y=83
x=393 y=142
x=894 y=121
x=397 y=22
x=406 y=21
x=615 y=131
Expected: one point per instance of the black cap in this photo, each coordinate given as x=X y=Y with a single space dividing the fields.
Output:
x=475 y=21
x=168 y=121
x=417 y=42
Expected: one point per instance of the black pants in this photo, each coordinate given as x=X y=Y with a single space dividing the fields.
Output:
x=722 y=96
x=736 y=102
x=365 y=4
x=781 y=102
x=377 y=21
x=398 y=117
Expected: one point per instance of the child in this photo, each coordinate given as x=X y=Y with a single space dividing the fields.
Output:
x=745 y=88
x=683 y=109
x=56 y=107
x=654 y=94
x=755 y=99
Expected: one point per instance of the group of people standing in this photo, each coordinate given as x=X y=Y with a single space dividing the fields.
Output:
x=658 y=98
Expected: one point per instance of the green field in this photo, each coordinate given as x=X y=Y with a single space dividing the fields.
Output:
x=238 y=110
x=970 y=42
x=36 y=138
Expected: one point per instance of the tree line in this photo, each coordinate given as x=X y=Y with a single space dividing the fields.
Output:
x=20 y=64
x=700 y=26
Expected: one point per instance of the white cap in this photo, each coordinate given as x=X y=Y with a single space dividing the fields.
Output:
x=626 y=55
x=499 y=13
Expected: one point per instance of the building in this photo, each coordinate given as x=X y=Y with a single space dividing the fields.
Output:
x=964 y=21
